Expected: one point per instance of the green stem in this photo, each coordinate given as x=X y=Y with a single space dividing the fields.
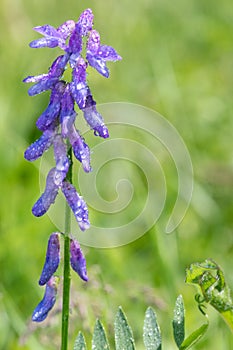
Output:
x=66 y=270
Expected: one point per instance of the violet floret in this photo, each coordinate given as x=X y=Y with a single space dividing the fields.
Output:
x=77 y=260
x=77 y=204
x=52 y=259
x=41 y=311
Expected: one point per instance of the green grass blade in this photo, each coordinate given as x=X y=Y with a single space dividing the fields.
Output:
x=194 y=337
x=123 y=333
x=80 y=343
x=151 y=331
x=16 y=323
x=99 y=341
x=179 y=321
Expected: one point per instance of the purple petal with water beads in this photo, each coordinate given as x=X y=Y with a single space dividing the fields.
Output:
x=52 y=259
x=77 y=204
x=75 y=43
x=37 y=148
x=49 y=195
x=44 y=42
x=101 y=131
x=108 y=53
x=68 y=130
x=82 y=153
x=99 y=64
x=97 y=54
x=62 y=161
x=82 y=28
x=35 y=78
x=47 y=81
x=66 y=28
x=43 y=85
x=41 y=311
x=94 y=119
x=52 y=37
x=93 y=42
x=78 y=86
x=77 y=260
x=53 y=109
x=66 y=122
x=47 y=30
x=85 y=21
x=58 y=66
x=80 y=148
x=67 y=114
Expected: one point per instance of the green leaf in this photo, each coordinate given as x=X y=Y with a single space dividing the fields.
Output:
x=210 y=278
x=151 y=331
x=80 y=343
x=99 y=341
x=178 y=321
x=194 y=337
x=123 y=333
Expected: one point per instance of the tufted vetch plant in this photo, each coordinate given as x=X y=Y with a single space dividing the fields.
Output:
x=82 y=49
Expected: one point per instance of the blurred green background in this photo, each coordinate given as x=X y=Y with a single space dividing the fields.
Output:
x=177 y=60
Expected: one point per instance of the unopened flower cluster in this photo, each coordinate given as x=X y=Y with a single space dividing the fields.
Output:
x=57 y=122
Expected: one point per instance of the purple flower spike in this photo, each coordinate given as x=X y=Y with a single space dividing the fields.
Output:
x=77 y=260
x=37 y=148
x=62 y=161
x=97 y=54
x=52 y=259
x=49 y=195
x=53 y=109
x=94 y=119
x=41 y=311
x=85 y=21
x=58 y=122
x=77 y=204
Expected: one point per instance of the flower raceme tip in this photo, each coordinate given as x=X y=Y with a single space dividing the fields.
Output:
x=57 y=122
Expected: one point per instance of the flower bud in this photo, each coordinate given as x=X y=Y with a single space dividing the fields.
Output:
x=52 y=259
x=77 y=260
x=41 y=311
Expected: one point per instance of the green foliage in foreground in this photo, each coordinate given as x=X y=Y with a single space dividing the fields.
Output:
x=124 y=339
x=209 y=277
